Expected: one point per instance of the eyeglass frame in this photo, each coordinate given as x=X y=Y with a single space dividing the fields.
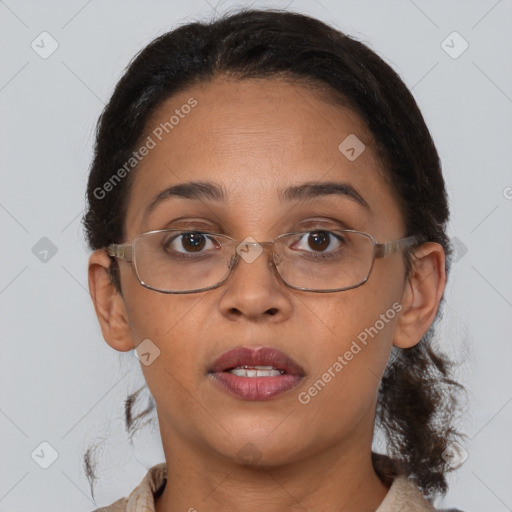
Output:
x=126 y=252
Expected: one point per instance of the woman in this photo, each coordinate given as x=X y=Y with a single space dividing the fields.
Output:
x=267 y=213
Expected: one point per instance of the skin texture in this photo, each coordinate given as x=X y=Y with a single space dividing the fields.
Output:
x=255 y=137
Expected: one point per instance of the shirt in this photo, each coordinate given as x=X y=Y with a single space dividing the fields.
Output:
x=403 y=495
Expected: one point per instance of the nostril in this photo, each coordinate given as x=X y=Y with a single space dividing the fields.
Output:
x=272 y=311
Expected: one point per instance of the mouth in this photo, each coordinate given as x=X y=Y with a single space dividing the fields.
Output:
x=256 y=373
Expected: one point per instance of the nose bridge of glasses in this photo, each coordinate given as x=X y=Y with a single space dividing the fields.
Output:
x=250 y=250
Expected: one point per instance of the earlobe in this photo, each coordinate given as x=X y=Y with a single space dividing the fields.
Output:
x=422 y=294
x=108 y=303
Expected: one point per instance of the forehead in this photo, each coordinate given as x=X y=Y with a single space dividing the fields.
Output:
x=255 y=137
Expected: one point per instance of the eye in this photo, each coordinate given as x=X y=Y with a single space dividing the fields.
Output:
x=319 y=241
x=190 y=242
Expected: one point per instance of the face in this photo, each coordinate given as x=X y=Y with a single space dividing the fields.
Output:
x=254 y=139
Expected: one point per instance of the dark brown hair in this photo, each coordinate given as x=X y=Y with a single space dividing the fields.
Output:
x=417 y=398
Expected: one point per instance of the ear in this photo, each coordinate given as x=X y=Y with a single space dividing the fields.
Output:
x=422 y=294
x=108 y=303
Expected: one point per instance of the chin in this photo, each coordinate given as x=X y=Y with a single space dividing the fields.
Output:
x=262 y=451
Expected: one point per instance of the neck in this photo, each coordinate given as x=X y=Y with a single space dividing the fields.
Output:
x=338 y=479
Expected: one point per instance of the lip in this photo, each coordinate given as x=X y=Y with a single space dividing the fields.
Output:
x=256 y=388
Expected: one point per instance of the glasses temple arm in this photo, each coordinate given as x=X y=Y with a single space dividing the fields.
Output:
x=387 y=248
x=124 y=252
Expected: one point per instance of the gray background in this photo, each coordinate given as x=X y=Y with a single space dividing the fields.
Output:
x=61 y=384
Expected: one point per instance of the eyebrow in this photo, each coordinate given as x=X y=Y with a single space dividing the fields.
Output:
x=213 y=192
x=312 y=190
x=190 y=190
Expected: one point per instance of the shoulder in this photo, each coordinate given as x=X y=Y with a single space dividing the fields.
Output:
x=118 y=506
x=404 y=495
x=142 y=498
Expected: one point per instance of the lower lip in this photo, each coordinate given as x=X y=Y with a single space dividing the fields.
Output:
x=256 y=388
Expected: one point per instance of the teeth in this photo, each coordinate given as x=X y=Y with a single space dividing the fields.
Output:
x=256 y=371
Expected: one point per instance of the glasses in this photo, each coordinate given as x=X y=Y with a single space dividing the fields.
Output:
x=179 y=261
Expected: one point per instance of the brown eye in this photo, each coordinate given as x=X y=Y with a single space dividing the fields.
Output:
x=191 y=242
x=319 y=240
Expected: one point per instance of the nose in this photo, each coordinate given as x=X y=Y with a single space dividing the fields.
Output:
x=254 y=289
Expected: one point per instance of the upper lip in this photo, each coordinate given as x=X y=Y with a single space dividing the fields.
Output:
x=261 y=356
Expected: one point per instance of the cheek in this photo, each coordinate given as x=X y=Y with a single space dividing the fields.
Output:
x=155 y=315
x=341 y=394
x=172 y=324
x=341 y=318
x=353 y=338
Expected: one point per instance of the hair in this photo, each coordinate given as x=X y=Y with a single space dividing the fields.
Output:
x=417 y=398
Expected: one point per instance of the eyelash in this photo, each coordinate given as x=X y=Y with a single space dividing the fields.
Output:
x=201 y=255
x=324 y=224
